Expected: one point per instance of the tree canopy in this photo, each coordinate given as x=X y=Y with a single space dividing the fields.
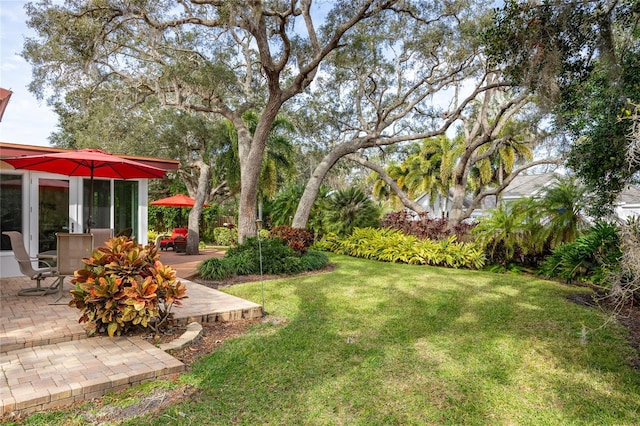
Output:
x=581 y=58
x=218 y=57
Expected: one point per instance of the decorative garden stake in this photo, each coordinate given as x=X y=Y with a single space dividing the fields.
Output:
x=258 y=228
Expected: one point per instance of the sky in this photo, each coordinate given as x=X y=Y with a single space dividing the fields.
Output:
x=26 y=120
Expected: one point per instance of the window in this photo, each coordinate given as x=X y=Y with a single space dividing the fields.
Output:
x=10 y=207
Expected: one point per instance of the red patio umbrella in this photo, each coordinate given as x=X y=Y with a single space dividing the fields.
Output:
x=86 y=162
x=178 y=200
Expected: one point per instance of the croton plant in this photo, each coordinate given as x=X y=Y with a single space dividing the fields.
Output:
x=124 y=285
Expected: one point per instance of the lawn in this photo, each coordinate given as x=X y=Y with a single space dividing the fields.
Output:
x=378 y=343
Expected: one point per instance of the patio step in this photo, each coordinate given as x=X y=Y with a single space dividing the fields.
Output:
x=49 y=376
x=47 y=361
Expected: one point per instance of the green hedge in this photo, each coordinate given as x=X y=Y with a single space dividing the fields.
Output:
x=389 y=245
x=277 y=258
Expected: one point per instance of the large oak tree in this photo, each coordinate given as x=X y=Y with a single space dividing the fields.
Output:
x=219 y=57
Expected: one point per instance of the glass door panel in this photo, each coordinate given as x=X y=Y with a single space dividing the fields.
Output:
x=126 y=207
x=53 y=211
x=101 y=198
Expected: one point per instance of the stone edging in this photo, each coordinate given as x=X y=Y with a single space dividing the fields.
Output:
x=194 y=330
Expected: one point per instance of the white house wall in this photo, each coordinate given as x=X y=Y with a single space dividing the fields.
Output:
x=8 y=265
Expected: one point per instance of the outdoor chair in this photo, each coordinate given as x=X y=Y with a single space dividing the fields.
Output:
x=25 y=262
x=169 y=242
x=101 y=236
x=72 y=248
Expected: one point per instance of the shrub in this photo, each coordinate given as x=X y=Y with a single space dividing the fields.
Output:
x=390 y=245
x=215 y=269
x=350 y=208
x=277 y=258
x=224 y=236
x=589 y=258
x=298 y=239
x=421 y=226
x=504 y=235
x=124 y=285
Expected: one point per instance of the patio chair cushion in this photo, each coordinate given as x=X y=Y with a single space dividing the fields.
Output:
x=169 y=242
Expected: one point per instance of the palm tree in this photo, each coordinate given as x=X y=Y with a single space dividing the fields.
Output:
x=513 y=150
x=382 y=191
x=426 y=170
x=561 y=209
x=430 y=169
x=501 y=233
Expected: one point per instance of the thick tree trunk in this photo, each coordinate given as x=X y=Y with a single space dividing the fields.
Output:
x=251 y=152
x=457 y=213
x=193 y=237
x=310 y=193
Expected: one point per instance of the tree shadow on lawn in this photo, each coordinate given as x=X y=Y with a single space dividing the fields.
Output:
x=449 y=347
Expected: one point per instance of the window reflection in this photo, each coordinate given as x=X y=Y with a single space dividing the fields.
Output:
x=10 y=207
x=101 y=214
x=53 y=211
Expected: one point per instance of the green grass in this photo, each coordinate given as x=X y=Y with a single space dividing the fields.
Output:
x=376 y=343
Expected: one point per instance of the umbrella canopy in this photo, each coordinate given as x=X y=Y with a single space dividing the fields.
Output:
x=179 y=200
x=86 y=162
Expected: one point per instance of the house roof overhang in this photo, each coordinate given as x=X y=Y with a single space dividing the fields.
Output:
x=15 y=150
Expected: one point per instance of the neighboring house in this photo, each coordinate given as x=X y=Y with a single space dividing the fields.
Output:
x=628 y=203
x=41 y=204
x=527 y=186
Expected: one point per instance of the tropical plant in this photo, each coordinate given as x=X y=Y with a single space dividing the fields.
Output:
x=421 y=226
x=225 y=235
x=390 y=245
x=253 y=256
x=430 y=170
x=561 y=210
x=284 y=204
x=298 y=239
x=589 y=258
x=124 y=285
x=503 y=234
x=515 y=149
x=347 y=209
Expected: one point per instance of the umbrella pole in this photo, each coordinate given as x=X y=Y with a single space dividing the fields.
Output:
x=90 y=218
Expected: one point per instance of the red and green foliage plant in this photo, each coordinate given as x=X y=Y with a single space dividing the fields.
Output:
x=124 y=285
x=422 y=227
x=298 y=239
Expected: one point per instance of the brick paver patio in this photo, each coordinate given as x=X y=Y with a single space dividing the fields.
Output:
x=47 y=361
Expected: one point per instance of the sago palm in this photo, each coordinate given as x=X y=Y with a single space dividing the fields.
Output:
x=347 y=209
